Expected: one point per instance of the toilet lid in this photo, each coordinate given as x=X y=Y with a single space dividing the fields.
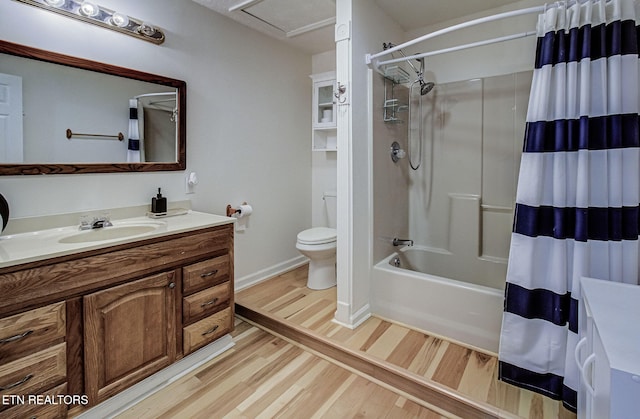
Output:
x=318 y=235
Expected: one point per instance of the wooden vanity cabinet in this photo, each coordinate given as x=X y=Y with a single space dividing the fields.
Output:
x=207 y=305
x=129 y=333
x=97 y=322
x=32 y=360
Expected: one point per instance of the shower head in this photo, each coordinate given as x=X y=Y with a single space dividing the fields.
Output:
x=426 y=87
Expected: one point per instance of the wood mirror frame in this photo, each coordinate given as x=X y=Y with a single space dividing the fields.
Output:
x=78 y=168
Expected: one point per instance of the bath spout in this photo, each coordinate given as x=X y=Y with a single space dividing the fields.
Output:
x=400 y=242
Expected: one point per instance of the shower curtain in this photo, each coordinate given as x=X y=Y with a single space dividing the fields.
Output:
x=134 y=154
x=578 y=195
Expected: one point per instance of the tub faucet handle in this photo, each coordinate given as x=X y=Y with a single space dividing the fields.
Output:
x=400 y=242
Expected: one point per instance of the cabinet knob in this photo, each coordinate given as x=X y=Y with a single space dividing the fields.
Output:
x=172 y=285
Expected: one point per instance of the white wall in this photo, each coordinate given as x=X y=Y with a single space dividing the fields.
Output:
x=496 y=59
x=248 y=122
x=324 y=169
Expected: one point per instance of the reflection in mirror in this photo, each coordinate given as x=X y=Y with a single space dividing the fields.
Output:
x=66 y=114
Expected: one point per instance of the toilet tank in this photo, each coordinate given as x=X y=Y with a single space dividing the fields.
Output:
x=330 y=208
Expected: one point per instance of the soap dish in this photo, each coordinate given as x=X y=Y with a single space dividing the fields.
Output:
x=170 y=213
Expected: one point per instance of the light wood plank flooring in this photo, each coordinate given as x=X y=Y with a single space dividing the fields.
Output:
x=264 y=376
x=442 y=366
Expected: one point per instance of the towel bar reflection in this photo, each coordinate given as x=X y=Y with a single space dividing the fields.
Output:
x=70 y=134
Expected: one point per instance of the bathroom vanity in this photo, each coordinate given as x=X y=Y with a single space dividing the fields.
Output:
x=89 y=316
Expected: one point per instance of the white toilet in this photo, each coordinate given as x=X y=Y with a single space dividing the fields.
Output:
x=319 y=245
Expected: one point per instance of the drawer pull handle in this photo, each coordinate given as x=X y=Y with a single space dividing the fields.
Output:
x=215 y=271
x=210 y=303
x=213 y=329
x=16 y=384
x=16 y=337
x=172 y=285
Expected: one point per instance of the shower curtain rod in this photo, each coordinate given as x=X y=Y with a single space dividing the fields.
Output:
x=370 y=57
x=459 y=47
x=156 y=94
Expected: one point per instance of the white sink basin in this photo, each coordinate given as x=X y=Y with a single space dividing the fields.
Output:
x=109 y=233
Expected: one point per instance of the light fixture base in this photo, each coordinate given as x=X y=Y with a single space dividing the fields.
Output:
x=100 y=16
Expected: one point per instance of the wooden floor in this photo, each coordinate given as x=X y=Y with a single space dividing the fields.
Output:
x=264 y=376
x=455 y=369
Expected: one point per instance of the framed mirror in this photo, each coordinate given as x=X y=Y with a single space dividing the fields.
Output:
x=62 y=115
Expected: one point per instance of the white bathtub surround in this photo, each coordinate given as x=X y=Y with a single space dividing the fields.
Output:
x=463 y=311
x=459 y=206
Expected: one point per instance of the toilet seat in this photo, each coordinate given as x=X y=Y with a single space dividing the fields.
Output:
x=317 y=235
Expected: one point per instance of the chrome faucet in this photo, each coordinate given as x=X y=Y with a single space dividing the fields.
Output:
x=399 y=242
x=98 y=222
x=101 y=222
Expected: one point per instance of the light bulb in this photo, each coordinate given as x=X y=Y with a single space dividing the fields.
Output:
x=120 y=20
x=89 y=9
x=55 y=3
x=146 y=29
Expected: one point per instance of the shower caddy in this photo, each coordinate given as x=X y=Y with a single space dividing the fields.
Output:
x=393 y=76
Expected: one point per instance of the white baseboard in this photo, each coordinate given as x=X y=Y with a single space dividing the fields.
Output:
x=264 y=274
x=145 y=388
x=353 y=320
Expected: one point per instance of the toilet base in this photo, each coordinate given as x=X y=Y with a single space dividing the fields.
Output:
x=322 y=274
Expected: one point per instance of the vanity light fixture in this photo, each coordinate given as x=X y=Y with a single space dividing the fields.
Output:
x=90 y=12
x=55 y=3
x=89 y=9
x=119 y=20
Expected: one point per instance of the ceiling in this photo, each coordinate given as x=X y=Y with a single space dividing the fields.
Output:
x=309 y=24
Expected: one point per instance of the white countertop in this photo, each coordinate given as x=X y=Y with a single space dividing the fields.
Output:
x=615 y=308
x=32 y=246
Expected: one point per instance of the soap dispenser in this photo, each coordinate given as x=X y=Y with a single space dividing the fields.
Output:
x=158 y=203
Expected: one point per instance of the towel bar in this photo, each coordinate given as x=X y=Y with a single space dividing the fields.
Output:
x=70 y=134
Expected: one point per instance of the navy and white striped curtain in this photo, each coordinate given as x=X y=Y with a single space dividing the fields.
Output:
x=578 y=195
x=134 y=140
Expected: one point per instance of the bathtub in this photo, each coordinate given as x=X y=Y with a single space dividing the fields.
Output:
x=457 y=309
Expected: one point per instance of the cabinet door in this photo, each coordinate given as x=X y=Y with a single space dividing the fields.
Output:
x=130 y=333
x=323 y=104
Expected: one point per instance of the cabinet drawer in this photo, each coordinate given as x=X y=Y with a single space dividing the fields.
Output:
x=206 y=330
x=205 y=302
x=24 y=332
x=34 y=373
x=205 y=274
x=39 y=409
